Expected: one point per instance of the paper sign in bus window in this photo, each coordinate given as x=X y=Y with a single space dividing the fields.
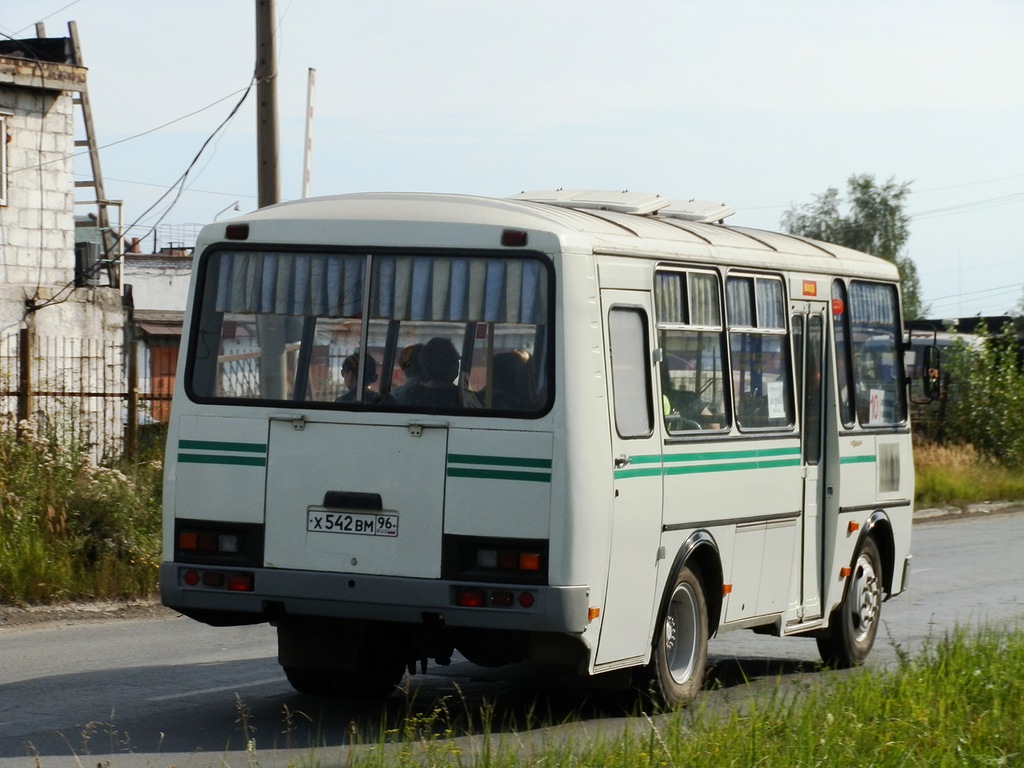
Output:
x=776 y=399
x=876 y=409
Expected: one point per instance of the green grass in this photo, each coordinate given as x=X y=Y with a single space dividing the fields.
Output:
x=70 y=530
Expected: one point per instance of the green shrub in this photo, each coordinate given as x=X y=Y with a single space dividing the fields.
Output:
x=70 y=529
x=986 y=397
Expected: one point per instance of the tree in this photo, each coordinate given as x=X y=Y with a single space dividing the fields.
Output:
x=875 y=223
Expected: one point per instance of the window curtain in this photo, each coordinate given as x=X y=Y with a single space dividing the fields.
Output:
x=402 y=287
x=872 y=304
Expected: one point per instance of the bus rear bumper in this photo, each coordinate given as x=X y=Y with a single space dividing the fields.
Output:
x=281 y=594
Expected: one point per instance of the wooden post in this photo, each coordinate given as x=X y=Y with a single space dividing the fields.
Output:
x=131 y=428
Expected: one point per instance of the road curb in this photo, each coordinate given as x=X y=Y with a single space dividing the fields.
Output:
x=969 y=510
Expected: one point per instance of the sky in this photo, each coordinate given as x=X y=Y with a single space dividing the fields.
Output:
x=761 y=105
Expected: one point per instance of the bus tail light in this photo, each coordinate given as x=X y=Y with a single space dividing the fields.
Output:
x=208 y=542
x=476 y=597
x=470 y=598
x=214 y=579
x=499 y=560
x=241 y=582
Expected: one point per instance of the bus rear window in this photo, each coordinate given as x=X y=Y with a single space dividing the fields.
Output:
x=420 y=332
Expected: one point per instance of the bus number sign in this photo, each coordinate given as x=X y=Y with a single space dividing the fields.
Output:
x=356 y=523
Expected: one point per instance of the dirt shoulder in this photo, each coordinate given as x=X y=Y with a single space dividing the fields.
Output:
x=14 y=616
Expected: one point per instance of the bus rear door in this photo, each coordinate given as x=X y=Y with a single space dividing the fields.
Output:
x=637 y=482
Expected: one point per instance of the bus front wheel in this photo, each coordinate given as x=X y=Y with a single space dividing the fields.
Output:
x=854 y=624
x=676 y=671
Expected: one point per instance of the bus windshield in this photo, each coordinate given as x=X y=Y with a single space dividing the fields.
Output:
x=382 y=331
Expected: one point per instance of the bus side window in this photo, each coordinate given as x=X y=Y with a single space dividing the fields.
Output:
x=762 y=384
x=840 y=321
x=692 y=342
x=631 y=386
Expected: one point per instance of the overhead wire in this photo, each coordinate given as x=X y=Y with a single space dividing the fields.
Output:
x=65 y=292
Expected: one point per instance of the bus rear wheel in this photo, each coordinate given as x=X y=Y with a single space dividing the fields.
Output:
x=854 y=624
x=676 y=672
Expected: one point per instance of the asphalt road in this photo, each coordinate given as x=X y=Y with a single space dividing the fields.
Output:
x=170 y=691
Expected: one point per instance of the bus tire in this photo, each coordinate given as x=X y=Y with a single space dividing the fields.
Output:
x=375 y=681
x=854 y=624
x=676 y=671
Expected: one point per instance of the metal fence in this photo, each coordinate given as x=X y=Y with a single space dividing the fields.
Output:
x=90 y=394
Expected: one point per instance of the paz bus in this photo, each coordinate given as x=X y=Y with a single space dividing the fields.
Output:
x=586 y=429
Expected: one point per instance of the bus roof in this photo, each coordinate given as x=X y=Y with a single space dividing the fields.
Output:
x=660 y=228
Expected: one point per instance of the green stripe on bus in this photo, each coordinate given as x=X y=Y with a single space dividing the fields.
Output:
x=498 y=461
x=870 y=459
x=216 y=445
x=654 y=458
x=764 y=459
x=220 y=458
x=733 y=466
x=623 y=474
x=499 y=474
x=759 y=453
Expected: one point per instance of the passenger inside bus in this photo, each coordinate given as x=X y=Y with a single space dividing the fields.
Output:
x=350 y=374
x=409 y=362
x=439 y=365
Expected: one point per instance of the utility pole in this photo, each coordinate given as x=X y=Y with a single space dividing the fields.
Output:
x=307 y=154
x=268 y=180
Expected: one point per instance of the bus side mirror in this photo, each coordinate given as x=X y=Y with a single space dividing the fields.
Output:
x=931 y=373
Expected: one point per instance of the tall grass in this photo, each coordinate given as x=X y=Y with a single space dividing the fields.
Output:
x=71 y=530
x=954 y=475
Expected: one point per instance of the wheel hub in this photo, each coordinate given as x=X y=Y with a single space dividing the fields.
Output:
x=868 y=591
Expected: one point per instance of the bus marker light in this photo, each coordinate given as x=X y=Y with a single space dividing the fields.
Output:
x=853 y=527
x=593 y=613
x=469 y=598
x=241 y=582
x=726 y=589
x=526 y=599
x=845 y=572
x=236 y=232
x=191 y=578
x=513 y=238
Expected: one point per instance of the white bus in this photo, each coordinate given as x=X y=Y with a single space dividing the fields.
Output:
x=592 y=430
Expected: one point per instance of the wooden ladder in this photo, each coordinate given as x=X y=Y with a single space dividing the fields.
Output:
x=111 y=240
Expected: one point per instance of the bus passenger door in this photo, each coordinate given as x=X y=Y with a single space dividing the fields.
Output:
x=635 y=465
x=808 y=352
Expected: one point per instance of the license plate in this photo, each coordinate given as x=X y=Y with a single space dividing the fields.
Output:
x=356 y=523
